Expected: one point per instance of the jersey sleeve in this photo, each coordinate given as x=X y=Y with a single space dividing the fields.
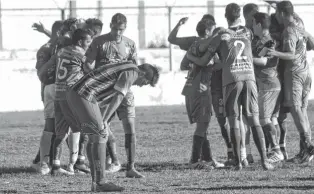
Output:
x=92 y=51
x=185 y=42
x=125 y=81
x=289 y=40
x=43 y=55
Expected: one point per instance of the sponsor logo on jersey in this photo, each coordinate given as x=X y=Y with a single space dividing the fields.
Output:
x=225 y=37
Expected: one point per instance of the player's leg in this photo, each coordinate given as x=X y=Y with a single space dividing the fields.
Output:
x=243 y=153
x=115 y=165
x=90 y=118
x=249 y=100
x=126 y=113
x=80 y=162
x=247 y=141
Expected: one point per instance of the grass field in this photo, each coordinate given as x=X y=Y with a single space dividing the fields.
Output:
x=164 y=144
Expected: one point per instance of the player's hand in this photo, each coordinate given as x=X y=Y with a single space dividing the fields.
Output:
x=182 y=21
x=38 y=27
x=272 y=52
x=203 y=88
x=106 y=129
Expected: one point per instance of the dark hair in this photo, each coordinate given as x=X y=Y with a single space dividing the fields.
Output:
x=151 y=70
x=233 y=12
x=209 y=17
x=80 y=34
x=263 y=19
x=250 y=7
x=56 y=26
x=203 y=25
x=94 y=22
x=285 y=7
x=118 y=18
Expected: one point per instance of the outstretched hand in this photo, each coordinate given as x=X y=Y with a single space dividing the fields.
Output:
x=38 y=27
x=182 y=21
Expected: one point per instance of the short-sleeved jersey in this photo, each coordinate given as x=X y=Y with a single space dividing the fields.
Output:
x=69 y=69
x=294 y=40
x=235 y=53
x=266 y=76
x=105 y=49
x=99 y=84
x=43 y=54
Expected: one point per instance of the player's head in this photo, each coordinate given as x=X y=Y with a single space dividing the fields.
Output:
x=205 y=28
x=248 y=11
x=82 y=38
x=56 y=28
x=261 y=22
x=284 y=11
x=70 y=25
x=208 y=17
x=95 y=25
x=233 y=13
x=149 y=75
x=118 y=25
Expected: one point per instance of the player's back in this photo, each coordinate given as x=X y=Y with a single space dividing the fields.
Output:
x=69 y=68
x=235 y=54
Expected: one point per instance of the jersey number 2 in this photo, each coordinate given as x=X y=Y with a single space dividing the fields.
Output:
x=242 y=46
x=63 y=73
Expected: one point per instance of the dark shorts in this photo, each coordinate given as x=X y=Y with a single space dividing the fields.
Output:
x=87 y=114
x=297 y=89
x=267 y=103
x=217 y=94
x=241 y=93
x=64 y=119
x=199 y=107
x=127 y=107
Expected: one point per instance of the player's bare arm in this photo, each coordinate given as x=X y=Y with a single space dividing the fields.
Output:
x=172 y=38
x=41 y=28
x=113 y=105
x=310 y=41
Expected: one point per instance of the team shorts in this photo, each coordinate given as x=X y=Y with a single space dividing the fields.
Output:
x=241 y=93
x=267 y=103
x=127 y=107
x=49 y=100
x=64 y=119
x=216 y=92
x=199 y=107
x=87 y=114
x=297 y=89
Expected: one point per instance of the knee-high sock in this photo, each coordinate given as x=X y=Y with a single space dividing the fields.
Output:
x=236 y=143
x=270 y=135
x=45 y=143
x=196 y=148
x=74 y=139
x=51 y=149
x=112 y=148
x=283 y=130
x=224 y=130
x=130 y=147
x=259 y=140
x=57 y=151
x=90 y=157
x=206 y=150
x=82 y=146
x=99 y=153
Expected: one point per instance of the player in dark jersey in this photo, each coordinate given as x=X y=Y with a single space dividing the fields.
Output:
x=268 y=82
x=69 y=69
x=104 y=88
x=185 y=43
x=110 y=48
x=297 y=81
x=239 y=84
x=248 y=11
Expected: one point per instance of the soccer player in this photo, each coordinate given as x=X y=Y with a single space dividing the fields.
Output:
x=69 y=70
x=216 y=90
x=248 y=11
x=239 y=84
x=105 y=87
x=114 y=47
x=267 y=80
x=297 y=81
x=41 y=161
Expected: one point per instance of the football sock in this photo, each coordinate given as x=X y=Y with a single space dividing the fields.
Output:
x=112 y=148
x=51 y=149
x=277 y=133
x=206 y=150
x=130 y=146
x=57 y=151
x=224 y=130
x=82 y=147
x=74 y=139
x=90 y=157
x=243 y=153
x=270 y=134
x=259 y=139
x=99 y=154
x=283 y=130
x=37 y=157
x=197 y=148
x=247 y=140
x=45 y=143
x=236 y=143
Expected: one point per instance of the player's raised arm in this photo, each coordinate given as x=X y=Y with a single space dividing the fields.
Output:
x=41 y=28
x=172 y=38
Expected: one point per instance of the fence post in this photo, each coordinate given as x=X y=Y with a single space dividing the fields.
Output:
x=1 y=43
x=210 y=7
x=72 y=6
x=141 y=24
x=99 y=9
x=62 y=14
x=169 y=29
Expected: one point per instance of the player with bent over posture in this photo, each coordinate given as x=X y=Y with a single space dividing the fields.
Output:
x=105 y=87
x=239 y=86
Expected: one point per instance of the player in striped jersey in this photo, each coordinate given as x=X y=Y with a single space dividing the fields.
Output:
x=105 y=87
x=238 y=81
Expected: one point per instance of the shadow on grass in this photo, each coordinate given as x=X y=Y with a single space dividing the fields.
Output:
x=299 y=187
x=303 y=179
x=16 y=170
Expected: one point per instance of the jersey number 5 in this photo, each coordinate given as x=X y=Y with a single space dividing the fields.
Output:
x=63 y=73
x=242 y=46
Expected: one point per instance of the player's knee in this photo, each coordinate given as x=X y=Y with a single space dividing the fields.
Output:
x=98 y=139
x=254 y=121
x=234 y=122
x=111 y=138
x=265 y=121
x=129 y=125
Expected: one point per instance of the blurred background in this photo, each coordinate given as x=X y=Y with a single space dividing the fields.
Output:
x=149 y=23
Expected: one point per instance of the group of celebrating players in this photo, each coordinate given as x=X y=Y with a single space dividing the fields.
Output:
x=252 y=75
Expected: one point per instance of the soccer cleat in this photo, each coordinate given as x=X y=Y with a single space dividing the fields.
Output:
x=297 y=158
x=250 y=159
x=284 y=152
x=106 y=187
x=35 y=166
x=112 y=168
x=276 y=157
x=215 y=164
x=44 y=169
x=60 y=171
x=230 y=155
x=82 y=168
x=267 y=165
x=201 y=165
x=244 y=162
x=230 y=162
x=132 y=173
x=308 y=155
x=238 y=167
